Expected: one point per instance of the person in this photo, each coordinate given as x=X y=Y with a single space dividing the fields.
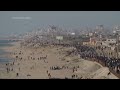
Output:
x=12 y=69
x=49 y=75
x=28 y=75
x=7 y=70
x=73 y=70
x=118 y=69
x=109 y=73
x=16 y=56
x=17 y=74
x=47 y=71
x=76 y=76
x=13 y=63
x=72 y=76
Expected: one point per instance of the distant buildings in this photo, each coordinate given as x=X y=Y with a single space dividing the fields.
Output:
x=116 y=29
x=111 y=41
x=91 y=42
x=91 y=34
x=54 y=35
x=99 y=29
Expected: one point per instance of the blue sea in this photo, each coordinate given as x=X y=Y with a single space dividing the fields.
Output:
x=4 y=43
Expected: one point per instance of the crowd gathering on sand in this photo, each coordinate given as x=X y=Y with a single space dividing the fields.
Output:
x=89 y=52
x=19 y=58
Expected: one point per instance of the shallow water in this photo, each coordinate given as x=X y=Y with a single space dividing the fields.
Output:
x=4 y=43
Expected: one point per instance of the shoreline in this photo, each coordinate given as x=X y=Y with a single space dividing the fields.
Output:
x=37 y=63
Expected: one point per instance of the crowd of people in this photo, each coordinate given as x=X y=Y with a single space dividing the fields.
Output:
x=84 y=51
x=92 y=54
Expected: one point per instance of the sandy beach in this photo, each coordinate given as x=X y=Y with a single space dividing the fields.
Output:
x=50 y=62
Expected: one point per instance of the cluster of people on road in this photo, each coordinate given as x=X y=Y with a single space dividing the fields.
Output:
x=89 y=52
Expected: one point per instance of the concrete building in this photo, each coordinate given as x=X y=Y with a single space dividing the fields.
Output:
x=110 y=41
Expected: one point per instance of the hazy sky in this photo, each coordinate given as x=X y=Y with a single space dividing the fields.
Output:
x=22 y=21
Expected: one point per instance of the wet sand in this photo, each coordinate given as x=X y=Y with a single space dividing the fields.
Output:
x=51 y=62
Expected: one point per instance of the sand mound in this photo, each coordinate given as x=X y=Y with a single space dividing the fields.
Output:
x=102 y=73
x=93 y=70
x=89 y=66
x=86 y=68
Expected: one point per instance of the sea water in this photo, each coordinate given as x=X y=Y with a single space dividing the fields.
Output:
x=4 y=43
